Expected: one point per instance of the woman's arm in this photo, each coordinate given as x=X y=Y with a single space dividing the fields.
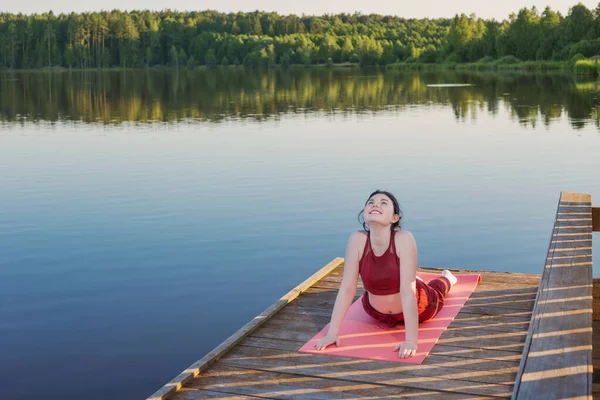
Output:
x=347 y=289
x=407 y=251
x=345 y=293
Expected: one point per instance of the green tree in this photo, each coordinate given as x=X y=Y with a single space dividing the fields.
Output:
x=148 y=57
x=550 y=34
x=69 y=57
x=49 y=38
x=145 y=38
x=580 y=22
x=369 y=51
x=182 y=57
x=329 y=48
x=174 y=56
x=210 y=59
x=347 y=49
x=525 y=33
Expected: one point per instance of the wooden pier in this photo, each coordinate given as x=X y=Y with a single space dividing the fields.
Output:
x=521 y=336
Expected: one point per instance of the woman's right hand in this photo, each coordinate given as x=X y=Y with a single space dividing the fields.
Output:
x=326 y=341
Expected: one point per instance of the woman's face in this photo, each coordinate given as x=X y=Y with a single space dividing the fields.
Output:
x=379 y=210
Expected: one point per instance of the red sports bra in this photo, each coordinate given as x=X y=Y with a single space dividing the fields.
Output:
x=380 y=275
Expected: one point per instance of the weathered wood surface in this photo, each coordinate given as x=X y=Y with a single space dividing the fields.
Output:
x=476 y=357
x=557 y=356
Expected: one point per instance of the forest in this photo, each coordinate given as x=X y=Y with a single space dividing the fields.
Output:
x=140 y=39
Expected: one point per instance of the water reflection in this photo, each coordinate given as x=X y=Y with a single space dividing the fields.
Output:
x=213 y=95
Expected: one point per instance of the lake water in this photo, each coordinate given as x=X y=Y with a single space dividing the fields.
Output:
x=146 y=216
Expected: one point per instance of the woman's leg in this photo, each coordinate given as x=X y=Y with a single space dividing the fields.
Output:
x=441 y=285
x=435 y=292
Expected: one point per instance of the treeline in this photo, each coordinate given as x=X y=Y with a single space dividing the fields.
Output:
x=146 y=38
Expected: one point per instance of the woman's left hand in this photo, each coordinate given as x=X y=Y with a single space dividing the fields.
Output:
x=406 y=349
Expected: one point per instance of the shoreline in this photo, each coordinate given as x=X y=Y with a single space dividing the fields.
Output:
x=582 y=67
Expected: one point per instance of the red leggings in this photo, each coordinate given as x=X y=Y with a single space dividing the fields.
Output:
x=430 y=300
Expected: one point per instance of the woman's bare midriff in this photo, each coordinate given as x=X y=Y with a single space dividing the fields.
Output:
x=386 y=304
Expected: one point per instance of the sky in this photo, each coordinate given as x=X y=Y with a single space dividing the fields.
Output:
x=408 y=9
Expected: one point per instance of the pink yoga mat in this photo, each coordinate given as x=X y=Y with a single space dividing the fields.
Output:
x=361 y=337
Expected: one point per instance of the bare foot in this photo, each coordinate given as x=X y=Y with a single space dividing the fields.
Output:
x=450 y=276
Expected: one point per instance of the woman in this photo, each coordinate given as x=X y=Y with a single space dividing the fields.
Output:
x=386 y=259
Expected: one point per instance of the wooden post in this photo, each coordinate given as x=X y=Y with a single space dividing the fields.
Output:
x=596 y=219
x=596 y=305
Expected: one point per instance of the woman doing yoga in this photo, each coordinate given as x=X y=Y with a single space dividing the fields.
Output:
x=385 y=257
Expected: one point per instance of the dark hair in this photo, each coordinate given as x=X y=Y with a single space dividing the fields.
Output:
x=396 y=210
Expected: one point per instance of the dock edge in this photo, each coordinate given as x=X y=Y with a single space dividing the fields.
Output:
x=193 y=370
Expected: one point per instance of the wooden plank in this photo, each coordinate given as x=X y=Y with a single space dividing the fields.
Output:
x=439 y=349
x=574 y=198
x=194 y=394
x=293 y=317
x=194 y=369
x=514 y=303
x=464 y=337
x=288 y=385
x=467 y=338
x=504 y=291
x=557 y=355
x=291 y=320
x=566 y=245
x=596 y=219
x=562 y=232
x=579 y=223
x=491 y=380
x=506 y=315
x=509 y=297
